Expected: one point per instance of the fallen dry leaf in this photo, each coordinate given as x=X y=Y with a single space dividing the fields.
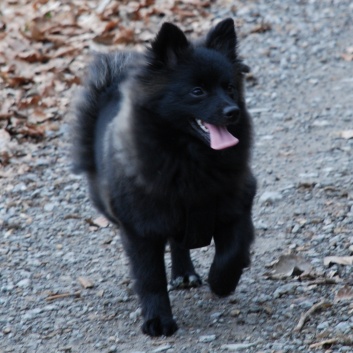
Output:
x=344 y=293
x=86 y=282
x=288 y=266
x=348 y=54
x=347 y=57
x=5 y=140
x=340 y=260
x=31 y=130
x=32 y=56
x=5 y=147
x=101 y=222
x=347 y=134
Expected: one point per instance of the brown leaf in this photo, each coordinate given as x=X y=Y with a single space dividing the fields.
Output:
x=290 y=265
x=86 y=282
x=32 y=56
x=347 y=57
x=105 y=38
x=344 y=293
x=38 y=115
x=29 y=102
x=340 y=260
x=110 y=26
x=66 y=51
x=125 y=36
x=38 y=3
x=5 y=147
x=15 y=81
x=31 y=130
x=36 y=30
x=5 y=141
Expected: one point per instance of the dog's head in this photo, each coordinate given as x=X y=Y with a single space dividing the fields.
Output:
x=202 y=91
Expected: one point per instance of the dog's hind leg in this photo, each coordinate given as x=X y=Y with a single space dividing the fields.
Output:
x=183 y=271
x=147 y=261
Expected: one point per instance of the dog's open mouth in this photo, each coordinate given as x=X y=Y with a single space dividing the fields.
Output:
x=218 y=136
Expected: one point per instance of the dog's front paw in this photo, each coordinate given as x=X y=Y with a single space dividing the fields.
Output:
x=222 y=283
x=187 y=281
x=159 y=327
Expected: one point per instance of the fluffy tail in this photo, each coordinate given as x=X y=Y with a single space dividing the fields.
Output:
x=105 y=71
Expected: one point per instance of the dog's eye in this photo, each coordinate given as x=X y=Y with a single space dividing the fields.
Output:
x=197 y=91
x=230 y=88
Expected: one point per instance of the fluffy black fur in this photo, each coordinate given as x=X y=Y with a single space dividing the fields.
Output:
x=151 y=169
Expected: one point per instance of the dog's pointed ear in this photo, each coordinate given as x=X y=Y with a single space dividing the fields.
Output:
x=169 y=44
x=223 y=39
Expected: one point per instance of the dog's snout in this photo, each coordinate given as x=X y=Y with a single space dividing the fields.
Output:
x=231 y=113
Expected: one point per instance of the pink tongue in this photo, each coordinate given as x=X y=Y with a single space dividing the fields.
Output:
x=221 y=138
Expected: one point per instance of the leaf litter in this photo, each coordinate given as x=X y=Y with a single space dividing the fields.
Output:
x=44 y=46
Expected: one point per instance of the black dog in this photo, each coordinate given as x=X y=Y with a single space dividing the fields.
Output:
x=164 y=139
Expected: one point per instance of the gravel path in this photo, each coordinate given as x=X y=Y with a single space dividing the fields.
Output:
x=64 y=281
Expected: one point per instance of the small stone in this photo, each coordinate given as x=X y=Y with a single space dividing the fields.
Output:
x=25 y=283
x=270 y=197
x=8 y=288
x=216 y=316
x=135 y=315
x=207 y=338
x=262 y=298
x=296 y=228
x=235 y=313
x=285 y=289
x=162 y=348
x=321 y=123
x=49 y=207
x=343 y=327
x=31 y=314
x=323 y=326
x=6 y=330
x=261 y=225
x=19 y=187
x=50 y=308
x=306 y=304
x=112 y=349
x=237 y=346
x=308 y=179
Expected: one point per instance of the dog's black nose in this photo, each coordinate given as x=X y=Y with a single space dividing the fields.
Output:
x=231 y=113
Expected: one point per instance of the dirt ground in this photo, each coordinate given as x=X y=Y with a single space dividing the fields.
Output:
x=64 y=278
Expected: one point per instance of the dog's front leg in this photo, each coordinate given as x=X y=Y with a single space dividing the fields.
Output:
x=232 y=243
x=148 y=268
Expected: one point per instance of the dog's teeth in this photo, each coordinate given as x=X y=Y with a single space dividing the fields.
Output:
x=202 y=126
